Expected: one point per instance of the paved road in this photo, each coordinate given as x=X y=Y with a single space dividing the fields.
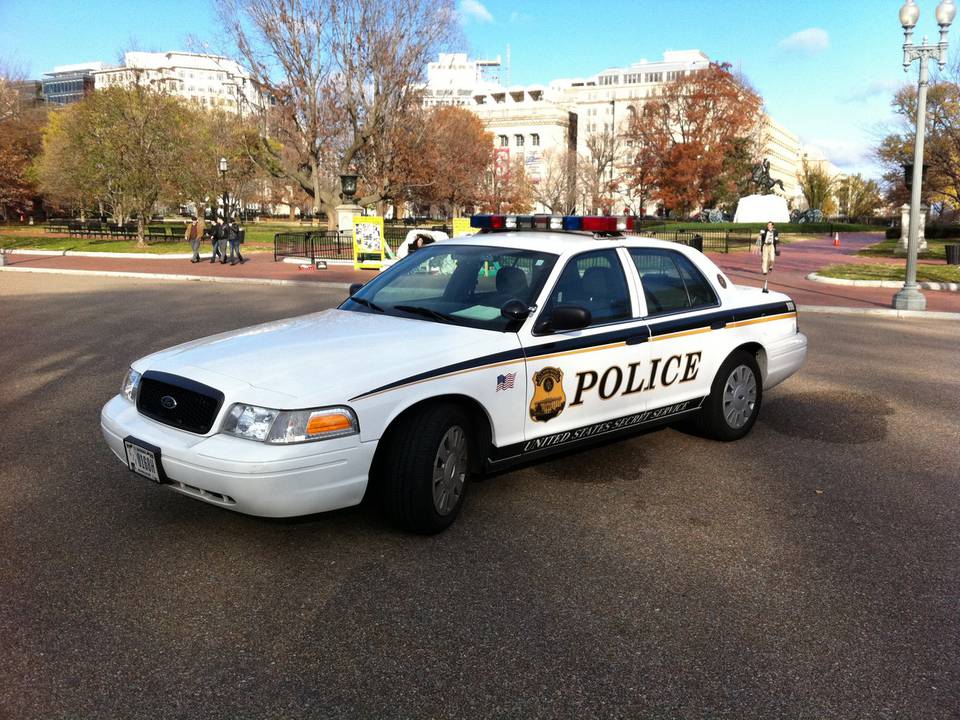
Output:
x=799 y=259
x=811 y=570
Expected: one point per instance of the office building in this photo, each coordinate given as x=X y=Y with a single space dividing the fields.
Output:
x=210 y=81
x=67 y=84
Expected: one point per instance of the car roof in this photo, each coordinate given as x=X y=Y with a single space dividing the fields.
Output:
x=559 y=242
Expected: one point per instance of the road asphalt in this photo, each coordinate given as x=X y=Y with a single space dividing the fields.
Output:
x=798 y=260
x=811 y=570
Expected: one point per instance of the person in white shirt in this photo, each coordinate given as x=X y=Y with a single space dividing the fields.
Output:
x=769 y=245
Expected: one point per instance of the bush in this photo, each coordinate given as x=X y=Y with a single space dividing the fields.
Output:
x=932 y=232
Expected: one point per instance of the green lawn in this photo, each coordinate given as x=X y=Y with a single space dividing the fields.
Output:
x=887 y=249
x=925 y=273
x=54 y=242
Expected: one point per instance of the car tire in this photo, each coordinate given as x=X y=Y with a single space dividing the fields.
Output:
x=427 y=469
x=735 y=398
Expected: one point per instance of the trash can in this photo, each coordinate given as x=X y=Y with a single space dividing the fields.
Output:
x=696 y=242
x=953 y=254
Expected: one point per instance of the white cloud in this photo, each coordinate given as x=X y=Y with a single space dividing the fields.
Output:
x=475 y=10
x=850 y=155
x=808 y=42
x=878 y=88
x=519 y=17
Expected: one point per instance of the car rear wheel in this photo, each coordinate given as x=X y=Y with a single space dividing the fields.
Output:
x=735 y=398
x=427 y=469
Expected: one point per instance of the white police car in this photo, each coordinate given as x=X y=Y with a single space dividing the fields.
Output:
x=534 y=336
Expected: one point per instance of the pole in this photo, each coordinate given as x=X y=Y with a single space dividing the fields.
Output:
x=909 y=297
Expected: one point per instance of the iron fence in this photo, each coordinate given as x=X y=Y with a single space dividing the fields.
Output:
x=315 y=245
x=713 y=240
x=332 y=244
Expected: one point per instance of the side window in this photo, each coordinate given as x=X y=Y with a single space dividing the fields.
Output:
x=671 y=283
x=698 y=289
x=594 y=280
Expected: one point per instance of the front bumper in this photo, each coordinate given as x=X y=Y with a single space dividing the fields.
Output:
x=247 y=476
x=784 y=358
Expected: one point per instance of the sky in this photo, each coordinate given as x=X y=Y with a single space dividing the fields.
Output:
x=825 y=68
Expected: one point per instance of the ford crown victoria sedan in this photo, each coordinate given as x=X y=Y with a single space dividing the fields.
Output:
x=468 y=356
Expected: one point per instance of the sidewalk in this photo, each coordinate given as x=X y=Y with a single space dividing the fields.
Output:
x=798 y=260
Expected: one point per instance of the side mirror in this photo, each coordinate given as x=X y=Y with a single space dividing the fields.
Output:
x=355 y=288
x=515 y=310
x=568 y=317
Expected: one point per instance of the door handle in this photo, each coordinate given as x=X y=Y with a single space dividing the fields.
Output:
x=718 y=324
x=641 y=337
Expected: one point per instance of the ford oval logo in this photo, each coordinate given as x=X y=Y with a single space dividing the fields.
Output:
x=168 y=402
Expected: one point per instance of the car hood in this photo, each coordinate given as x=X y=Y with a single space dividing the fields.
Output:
x=326 y=357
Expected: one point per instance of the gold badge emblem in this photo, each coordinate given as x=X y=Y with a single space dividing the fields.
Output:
x=549 y=399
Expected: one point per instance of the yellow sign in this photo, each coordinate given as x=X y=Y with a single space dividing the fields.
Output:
x=369 y=245
x=461 y=226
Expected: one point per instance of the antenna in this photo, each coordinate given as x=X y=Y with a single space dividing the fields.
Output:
x=508 y=66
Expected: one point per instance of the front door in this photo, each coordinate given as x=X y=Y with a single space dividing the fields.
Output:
x=588 y=382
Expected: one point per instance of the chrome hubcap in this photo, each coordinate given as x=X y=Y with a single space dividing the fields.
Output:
x=449 y=470
x=739 y=396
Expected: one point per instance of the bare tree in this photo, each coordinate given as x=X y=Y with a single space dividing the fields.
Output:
x=552 y=189
x=340 y=74
x=597 y=168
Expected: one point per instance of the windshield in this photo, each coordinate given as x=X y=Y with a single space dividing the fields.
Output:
x=457 y=284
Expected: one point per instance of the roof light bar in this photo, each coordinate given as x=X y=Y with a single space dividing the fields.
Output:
x=593 y=223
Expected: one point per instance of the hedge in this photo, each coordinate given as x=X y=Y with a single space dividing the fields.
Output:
x=932 y=232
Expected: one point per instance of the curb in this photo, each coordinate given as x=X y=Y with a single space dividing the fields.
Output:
x=880 y=312
x=82 y=253
x=893 y=284
x=171 y=276
x=307 y=261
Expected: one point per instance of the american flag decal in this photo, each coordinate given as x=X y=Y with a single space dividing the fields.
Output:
x=505 y=382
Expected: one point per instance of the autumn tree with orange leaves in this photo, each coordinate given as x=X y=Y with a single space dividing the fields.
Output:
x=461 y=156
x=21 y=125
x=693 y=128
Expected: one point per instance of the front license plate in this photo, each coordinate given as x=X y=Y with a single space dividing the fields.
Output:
x=144 y=459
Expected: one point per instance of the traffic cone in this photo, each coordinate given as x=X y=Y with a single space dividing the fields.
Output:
x=836 y=239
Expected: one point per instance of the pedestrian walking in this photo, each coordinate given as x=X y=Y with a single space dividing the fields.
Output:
x=217 y=241
x=768 y=246
x=233 y=238
x=193 y=235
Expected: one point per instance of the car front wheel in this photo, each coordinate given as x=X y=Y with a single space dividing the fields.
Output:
x=427 y=470
x=735 y=398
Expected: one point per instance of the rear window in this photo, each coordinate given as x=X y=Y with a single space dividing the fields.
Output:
x=671 y=282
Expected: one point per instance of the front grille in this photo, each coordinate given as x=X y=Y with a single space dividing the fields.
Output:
x=194 y=407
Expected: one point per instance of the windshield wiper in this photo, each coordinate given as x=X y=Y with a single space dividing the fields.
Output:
x=425 y=312
x=371 y=305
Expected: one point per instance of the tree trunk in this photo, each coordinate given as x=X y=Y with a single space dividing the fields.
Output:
x=141 y=232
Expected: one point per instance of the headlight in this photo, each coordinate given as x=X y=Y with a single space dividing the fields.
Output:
x=282 y=427
x=130 y=387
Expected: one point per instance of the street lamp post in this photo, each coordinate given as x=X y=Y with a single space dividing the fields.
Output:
x=223 y=178
x=909 y=297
